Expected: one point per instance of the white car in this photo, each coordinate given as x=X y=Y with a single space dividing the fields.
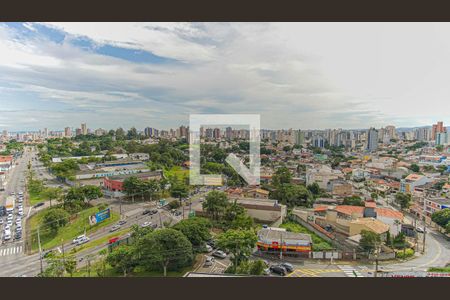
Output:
x=78 y=238
x=83 y=240
x=146 y=224
x=209 y=248
x=9 y=222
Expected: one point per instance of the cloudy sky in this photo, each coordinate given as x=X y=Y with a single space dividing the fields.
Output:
x=296 y=75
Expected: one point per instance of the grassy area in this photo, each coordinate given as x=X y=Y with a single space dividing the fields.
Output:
x=101 y=241
x=138 y=272
x=319 y=244
x=176 y=171
x=440 y=270
x=76 y=226
x=36 y=198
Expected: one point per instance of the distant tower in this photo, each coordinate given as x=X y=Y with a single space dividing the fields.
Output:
x=83 y=128
x=372 y=139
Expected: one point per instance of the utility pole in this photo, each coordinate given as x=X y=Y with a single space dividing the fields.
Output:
x=424 y=234
x=281 y=245
x=62 y=249
x=375 y=274
x=40 y=250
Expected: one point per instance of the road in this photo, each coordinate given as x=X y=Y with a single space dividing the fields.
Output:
x=10 y=250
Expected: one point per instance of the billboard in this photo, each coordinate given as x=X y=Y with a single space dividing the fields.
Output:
x=100 y=216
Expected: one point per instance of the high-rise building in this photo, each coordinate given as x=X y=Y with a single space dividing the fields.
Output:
x=183 y=132
x=5 y=133
x=67 y=132
x=437 y=128
x=100 y=132
x=84 y=129
x=229 y=133
x=442 y=138
x=216 y=133
x=319 y=141
x=372 y=139
x=299 y=137
x=45 y=132
x=78 y=131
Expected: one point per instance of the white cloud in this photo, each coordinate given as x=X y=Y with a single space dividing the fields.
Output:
x=308 y=75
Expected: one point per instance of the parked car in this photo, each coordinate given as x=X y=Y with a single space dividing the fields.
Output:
x=38 y=204
x=287 y=266
x=1 y=221
x=420 y=230
x=219 y=254
x=209 y=261
x=209 y=248
x=114 y=228
x=177 y=213
x=146 y=224
x=154 y=226
x=279 y=270
x=122 y=222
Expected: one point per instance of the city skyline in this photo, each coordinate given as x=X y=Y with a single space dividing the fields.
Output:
x=302 y=76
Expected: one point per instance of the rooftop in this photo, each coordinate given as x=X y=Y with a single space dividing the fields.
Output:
x=373 y=224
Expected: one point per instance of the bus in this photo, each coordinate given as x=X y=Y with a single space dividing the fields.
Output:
x=10 y=203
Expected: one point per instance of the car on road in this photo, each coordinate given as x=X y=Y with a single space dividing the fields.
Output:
x=82 y=241
x=47 y=253
x=7 y=235
x=209 y=261
x=114 y=228
x=146 y=212
x=38 y=204
x=177 y=213
x=287 y=266
x=219 y=254
x=78 y=238
x=121 y=222
x=153 y=211
x=146 y=224
x=420 y=230
x=279 y=270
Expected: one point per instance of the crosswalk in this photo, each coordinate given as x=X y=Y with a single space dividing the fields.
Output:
x=14 y=250
x=350 y=271
x=312 y=272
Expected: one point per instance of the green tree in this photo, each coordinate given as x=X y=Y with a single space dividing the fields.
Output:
x=54 y=267
x=415 y=168
x=369 y=240
x=70 y=264
x=122 y=258
x=404 y=200
x=240 y=243
x=165 y=249
x=179 y=190
x=399 y=241
x=441 y=217
x=353 y=200
x=282 y=176
x=314 y=188
x=52 y=193
x=55 y=218
x=196 y=230
x=215 y=204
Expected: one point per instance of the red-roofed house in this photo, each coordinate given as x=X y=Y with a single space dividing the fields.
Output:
x=6 y=162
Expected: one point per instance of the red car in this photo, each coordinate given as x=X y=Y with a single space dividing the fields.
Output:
x=113 y=240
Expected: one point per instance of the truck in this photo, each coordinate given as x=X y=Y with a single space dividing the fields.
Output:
x=10 y=203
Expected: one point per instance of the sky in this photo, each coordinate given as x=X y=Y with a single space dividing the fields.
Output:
x=295 y=75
